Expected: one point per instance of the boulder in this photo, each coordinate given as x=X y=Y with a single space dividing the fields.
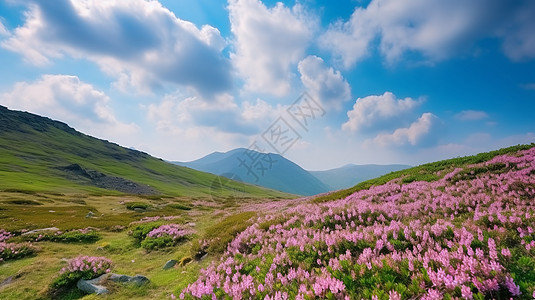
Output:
x=41 y=230
x=137 y=280
x=92 y=286
x=169 y=264
x=97 y=285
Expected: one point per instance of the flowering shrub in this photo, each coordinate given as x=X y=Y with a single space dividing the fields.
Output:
x=10 y=251
x=81 y=267
x=5 y=235
x=85 y=235
x=165 y=236
x=468 y=235
x=140 y=231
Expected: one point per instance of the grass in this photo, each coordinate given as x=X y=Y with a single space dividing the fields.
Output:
x=33 y=150
x=426 y=172
x=31 y=275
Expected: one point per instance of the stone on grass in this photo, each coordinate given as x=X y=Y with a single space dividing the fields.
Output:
x=169 y=264
x=97 y=285
x=41 y=230
x=92 y=286
x=136 y=280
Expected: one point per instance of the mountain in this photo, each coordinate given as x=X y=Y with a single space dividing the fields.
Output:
x=349 y=175
x=38 y=154
x=269 y=170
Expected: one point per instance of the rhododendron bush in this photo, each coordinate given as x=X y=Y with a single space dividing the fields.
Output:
x=10 y=251
x=82 y=267
x=468 y=235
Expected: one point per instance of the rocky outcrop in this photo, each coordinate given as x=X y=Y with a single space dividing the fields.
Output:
x=98 y=285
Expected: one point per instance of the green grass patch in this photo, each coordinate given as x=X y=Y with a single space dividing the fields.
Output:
x=24 y=202
x=217 y=236
x=427 y=172
x=138 y=205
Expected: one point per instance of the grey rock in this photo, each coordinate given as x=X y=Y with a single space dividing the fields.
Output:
x=92 y=286
x=90 y=214
x=137 y=280
x=169 y=264
x=40 y=230
x=96 y=285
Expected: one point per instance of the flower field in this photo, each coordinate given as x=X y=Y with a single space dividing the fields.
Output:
x=468 y=235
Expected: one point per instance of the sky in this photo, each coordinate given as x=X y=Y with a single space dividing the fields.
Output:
x=324 y=83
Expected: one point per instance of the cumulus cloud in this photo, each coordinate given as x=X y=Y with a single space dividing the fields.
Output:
x=268 y=42
x=66 y=98
x=3 y=30
x=323 y=82
x=175 y=114
x=434 y=29
x=471 y=115
x=141 y=43
x=416 y=134
x=379 y=111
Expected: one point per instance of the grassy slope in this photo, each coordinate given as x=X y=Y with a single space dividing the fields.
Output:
x=32 y=274
x=33 y=147
x=28 y=278
x=426 y=172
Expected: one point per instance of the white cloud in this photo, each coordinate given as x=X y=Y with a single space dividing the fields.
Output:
x=378 y=111
x=324 y=83
x=519 y=40
x=350 y=41
x=66 y=98
x=434 y=29
x=471 y=115
x=413 y=135
x=3 y=29
x=176 y=114
x=268 y=42
x=139 y=42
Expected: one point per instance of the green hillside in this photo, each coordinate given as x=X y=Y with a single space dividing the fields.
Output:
x=426 y=172
x=41 y=155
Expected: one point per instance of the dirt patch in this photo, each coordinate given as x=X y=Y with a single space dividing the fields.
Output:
x=75 y=172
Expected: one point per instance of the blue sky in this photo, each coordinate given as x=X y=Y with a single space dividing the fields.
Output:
x=396 y=81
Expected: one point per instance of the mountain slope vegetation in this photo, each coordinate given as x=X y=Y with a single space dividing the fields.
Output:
x=349 y=175
x=456 y=229
x=41 y=155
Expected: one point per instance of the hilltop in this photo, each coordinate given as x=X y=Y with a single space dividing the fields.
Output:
x=270 y=170
x=42 y=155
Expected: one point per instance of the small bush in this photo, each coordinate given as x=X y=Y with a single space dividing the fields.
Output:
x=140 y=231
x=138 y=205
x=72 y=236
x=157 y=243
x=5 y=235
x=81 y=267
x=165 y=236
x=24 y=202
x=10 y=251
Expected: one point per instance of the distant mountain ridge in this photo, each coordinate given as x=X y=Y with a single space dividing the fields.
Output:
x=277 y=172
x=38 y=154
x=349 y=175
x=265 y=169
